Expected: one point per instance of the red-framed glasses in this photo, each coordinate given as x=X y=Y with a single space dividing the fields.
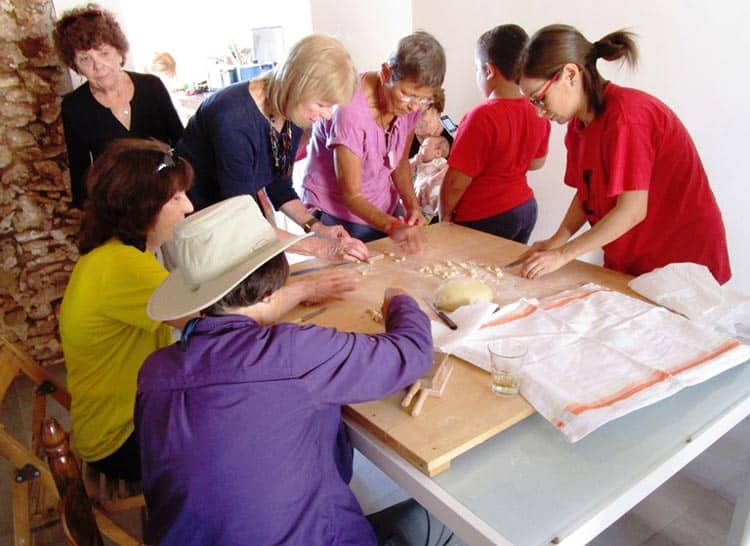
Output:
x=538 y=101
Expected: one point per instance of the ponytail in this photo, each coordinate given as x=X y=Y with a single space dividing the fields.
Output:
x=554 y=46
x=617 y=45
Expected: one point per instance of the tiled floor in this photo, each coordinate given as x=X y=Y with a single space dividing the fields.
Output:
x=694 y=508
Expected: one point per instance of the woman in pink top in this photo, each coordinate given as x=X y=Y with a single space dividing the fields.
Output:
x=359 y=175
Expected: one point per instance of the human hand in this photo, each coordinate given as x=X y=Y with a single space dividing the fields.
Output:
x=408 y=237
x=540 y=262
x=540 y=246
x=330 y=232
x=348 y=249
x=388 y=295
x=414 y=217
x=328 y=286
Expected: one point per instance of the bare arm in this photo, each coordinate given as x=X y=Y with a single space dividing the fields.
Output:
x=454 y=186
x=297 y=211
x=630 y=210
x=404 y=182
x=339 y=248
x=329 y=286
x=349 y=177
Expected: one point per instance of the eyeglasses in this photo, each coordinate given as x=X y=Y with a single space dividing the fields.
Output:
x=167 y=161
x=538 y=101
x=422 y=102
x=281 y=149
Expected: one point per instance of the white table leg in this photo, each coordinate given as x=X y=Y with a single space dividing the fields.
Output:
x=739 y=530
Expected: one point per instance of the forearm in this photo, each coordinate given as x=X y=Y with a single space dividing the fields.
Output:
x=284 y=300
x=309 y=246
x=452 y=189
x=371 y=214
x=403 y=180
x=297 y=211
x=572 y=221
x=629 y=212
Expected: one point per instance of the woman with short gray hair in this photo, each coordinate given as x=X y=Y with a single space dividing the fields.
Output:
x=359 y=175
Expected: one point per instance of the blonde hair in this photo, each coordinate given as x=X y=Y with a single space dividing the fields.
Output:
x=318 y=67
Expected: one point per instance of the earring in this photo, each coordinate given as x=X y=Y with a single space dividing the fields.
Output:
x=572 y=82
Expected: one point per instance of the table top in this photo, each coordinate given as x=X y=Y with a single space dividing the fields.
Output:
x=534 y=487
x=468 y=413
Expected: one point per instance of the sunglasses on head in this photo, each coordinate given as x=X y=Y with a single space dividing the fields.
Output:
x=167 y=161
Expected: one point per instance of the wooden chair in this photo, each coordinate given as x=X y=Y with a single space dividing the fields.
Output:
x=76 y=512
x=34 y=494
x=81 y=521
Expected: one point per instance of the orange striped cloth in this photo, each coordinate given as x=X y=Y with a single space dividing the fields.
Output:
x=595 y=354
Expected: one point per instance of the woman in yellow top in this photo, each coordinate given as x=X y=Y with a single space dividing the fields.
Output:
x=137 y=195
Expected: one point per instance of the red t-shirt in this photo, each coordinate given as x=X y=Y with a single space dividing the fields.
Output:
x=494 y=145
x=638 y=143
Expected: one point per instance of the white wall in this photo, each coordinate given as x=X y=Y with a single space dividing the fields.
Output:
x=693 y=57
x=193 y=32
x=369 y=30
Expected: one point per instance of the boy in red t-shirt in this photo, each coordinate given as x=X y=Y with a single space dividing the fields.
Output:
x=497 y=143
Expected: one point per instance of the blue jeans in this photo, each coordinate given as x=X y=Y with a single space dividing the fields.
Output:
x=515 y=224
x=363 y=232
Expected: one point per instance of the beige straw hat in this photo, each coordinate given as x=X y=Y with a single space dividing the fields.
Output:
x=212 y=251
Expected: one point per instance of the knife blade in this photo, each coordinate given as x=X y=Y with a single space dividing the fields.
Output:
x=441 y=315
x=310 y=315
x=318 y=268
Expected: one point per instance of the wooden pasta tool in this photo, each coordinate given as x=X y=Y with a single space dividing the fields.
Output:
x=432 y=384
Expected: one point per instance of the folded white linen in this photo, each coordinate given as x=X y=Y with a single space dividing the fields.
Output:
x=691 y=290
x=595 y=355
x=468 y=318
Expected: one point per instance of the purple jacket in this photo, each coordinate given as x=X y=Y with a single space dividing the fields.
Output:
x=241 y=435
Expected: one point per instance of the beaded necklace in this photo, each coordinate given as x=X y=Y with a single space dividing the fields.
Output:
x=281 y=149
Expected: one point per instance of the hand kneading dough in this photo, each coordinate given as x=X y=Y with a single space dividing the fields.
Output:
x=459 y=291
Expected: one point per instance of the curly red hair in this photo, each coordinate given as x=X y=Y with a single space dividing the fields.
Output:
x=87 y=27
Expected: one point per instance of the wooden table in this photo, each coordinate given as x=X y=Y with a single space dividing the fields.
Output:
x=468 y=413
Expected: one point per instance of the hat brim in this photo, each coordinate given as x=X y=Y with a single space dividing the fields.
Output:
x=175 y=298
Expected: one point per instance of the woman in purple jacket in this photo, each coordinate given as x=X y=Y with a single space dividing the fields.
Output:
x=240 y=422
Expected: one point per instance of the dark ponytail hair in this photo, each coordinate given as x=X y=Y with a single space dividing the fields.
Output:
x=554 y=46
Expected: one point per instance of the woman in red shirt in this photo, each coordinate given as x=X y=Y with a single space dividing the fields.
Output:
x=638 y=177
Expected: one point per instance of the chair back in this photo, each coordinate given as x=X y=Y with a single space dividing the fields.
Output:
x=76 y=512
x=34 y=497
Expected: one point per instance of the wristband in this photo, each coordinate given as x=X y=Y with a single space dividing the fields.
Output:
x=393 y=226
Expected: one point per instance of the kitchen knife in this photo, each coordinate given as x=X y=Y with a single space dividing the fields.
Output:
x=310 y=315
x=441 y=315
x=319 y=268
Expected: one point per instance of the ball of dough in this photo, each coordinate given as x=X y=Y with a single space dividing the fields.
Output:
x=459 y=291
